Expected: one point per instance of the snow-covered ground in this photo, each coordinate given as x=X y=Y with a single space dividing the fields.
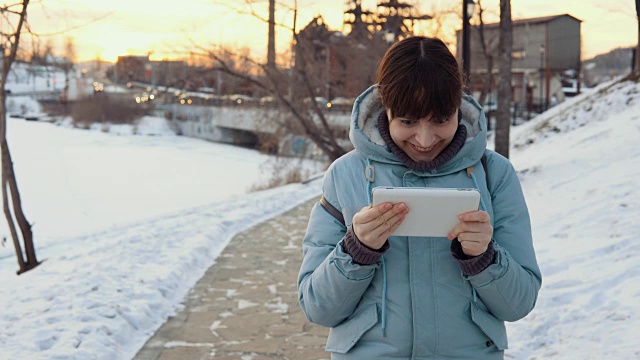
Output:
x=129 y=223
x=579 y=166
x=28 y=79
x=126 y=225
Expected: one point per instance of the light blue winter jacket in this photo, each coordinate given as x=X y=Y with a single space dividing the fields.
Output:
x=417 y=292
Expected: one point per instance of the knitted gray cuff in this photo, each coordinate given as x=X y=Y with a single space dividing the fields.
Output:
x=359 y=252
x=472 y=265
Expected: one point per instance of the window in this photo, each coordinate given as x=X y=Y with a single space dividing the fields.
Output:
x=518 y=54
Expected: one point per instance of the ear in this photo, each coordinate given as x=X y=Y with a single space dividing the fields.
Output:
x=389 y=114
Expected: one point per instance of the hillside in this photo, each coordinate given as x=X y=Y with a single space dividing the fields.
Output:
x=606 y=66
x=579 y=165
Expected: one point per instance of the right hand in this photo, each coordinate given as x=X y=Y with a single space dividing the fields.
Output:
x=374 y=225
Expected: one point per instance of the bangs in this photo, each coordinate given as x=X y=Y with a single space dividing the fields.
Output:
x=421 y=79
x=425 y=91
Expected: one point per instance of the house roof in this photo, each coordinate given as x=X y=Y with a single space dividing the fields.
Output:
x=537 y=20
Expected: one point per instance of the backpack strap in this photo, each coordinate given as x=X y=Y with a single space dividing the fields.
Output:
x=485 y=166
x=332 y=210
x=483 y=160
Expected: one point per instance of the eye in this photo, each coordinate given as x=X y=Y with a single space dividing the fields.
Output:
x=407 y=122
x=441 y=120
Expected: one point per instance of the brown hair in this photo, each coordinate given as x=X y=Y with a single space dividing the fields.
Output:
x=418 y=77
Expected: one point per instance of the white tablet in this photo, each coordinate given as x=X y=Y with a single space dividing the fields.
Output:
x=432 y=211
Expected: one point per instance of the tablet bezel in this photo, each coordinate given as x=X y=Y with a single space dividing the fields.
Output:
x=433 y=212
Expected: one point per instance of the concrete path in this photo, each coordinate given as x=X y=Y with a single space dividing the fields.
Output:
x=245 y=307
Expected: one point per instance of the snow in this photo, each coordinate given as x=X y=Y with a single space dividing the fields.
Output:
x=579 y=166
x=128 y=223
x=25 y=79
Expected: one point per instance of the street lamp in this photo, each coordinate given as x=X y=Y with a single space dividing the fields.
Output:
x=468 y=7
x=541 y=73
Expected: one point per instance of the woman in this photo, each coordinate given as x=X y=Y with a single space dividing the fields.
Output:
x=415 y=297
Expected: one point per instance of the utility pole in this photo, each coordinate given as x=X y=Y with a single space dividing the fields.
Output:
x=468 y=7
x=271 y=46
x=505 y=46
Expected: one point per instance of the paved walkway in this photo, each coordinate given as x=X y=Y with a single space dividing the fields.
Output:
x=245 y=307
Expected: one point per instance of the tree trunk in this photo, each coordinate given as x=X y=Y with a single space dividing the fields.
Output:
x=12 y=227
x=271 y=46
x=487 y=86
x=636 y=66
x=503 y=118
x=25 y=227
x=8 y=176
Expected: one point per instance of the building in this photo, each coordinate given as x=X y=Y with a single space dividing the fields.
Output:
x=141 y=69
x=133 y=68
x=169 y=72
x=545 y=59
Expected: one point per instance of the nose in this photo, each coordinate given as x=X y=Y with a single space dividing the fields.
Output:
x=425 y=136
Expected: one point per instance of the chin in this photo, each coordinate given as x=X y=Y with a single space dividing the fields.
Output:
x=421 y=157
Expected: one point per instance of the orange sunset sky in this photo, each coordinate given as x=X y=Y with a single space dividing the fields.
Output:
x=161 y=27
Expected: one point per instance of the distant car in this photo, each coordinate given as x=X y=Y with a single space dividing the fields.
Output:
x=341 y=104
x=342 y=101
x=322 y=102
x=238 y=98
x=265 y=100
x=33 y=116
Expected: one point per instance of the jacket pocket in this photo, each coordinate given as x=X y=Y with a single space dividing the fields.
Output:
x=491 y=326
x=344 y=336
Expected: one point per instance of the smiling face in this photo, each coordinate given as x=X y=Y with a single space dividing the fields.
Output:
x=422 y=139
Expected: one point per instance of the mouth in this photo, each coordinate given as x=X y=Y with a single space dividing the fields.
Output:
x=421 y=149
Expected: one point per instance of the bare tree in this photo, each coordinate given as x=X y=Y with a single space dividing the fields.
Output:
x=503 y=118
x=307 y=116
x=637 y=63
x=67 y=66
x=487 y=51
x=13 y=14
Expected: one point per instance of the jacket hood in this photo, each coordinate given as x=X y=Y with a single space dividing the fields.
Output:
x=367 y=140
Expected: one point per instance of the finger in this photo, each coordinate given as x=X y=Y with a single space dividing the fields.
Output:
x=456 y=231
x=395 y=222
x=372 y=213
x=472 y=227
x=472 y=248
x=474 y=237
x=364 y=215
x=476 y=227
x=475 y=216
x=397 y=213
x=399 y=209
x=386 y=212
x=370 y=230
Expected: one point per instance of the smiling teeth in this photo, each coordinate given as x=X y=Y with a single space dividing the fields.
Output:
x=420 y=148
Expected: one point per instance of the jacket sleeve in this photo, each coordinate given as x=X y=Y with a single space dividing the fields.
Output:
x=330 y=284
x=509 y=286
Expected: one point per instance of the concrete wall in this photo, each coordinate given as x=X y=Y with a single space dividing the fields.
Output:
x=237 y=124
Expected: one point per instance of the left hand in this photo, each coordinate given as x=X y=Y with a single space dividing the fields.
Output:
x=474 y=232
